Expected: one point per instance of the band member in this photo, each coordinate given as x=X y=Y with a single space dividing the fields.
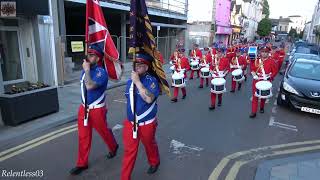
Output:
x=238 y=62
x=94 y=80
x=219 y=67
x=196 y=54
x=244 y=52
x=282 y=54
x=264 y=69
x=146 y=107
x=204 y=63
x=182 y=64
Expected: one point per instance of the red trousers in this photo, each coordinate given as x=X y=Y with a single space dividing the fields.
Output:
x=97 y=119
x=234 y=84
x=176 y=92
x=213 y=98
x=202 y=79
x=192 y=72
x=146 y=134
x=254 y=106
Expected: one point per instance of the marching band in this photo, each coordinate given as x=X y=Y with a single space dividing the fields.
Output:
x=264 y=63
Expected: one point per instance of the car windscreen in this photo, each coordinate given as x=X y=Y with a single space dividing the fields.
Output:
x=306 y=69
x=306 y=56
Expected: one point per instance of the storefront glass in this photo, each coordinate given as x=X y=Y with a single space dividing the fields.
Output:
x=10 y=56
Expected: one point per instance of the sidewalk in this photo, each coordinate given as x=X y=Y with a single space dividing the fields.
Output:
x=69 y=100
x=301 y=167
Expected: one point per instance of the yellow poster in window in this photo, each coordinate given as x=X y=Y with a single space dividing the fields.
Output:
x=77 y=46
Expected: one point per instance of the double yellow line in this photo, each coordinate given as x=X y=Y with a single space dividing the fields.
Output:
x=254 y=155
x=36 y=142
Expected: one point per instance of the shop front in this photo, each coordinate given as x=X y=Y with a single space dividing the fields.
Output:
x=26 y=58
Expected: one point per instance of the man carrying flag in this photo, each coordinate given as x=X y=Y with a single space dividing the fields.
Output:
x=94 y=81
x=142 y=92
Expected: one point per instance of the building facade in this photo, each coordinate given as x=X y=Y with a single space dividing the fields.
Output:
x=297 y=22
x=27 y=44
x=314 y=25
x=236 y=20
x=222 y=21
x=168 y=18
x=252 y=14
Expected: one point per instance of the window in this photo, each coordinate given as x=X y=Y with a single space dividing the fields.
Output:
x=10 y=55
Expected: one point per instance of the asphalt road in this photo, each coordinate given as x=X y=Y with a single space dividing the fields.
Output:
x=192 y=139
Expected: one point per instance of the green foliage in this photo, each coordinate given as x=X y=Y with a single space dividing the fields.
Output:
x=266 y=8
x=264 y=27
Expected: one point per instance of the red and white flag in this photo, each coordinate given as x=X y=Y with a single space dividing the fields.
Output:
x=97 y=33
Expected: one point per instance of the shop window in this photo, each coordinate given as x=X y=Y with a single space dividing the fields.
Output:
x=10 y=56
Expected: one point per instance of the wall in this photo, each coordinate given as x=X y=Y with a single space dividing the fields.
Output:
x=223 y=12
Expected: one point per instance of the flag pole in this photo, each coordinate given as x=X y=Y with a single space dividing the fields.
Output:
x=135 y=123
x=86 y=113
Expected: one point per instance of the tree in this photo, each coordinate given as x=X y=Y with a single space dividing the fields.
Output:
x=266 y=9
x=264 y=27
x=293 y=33
x=301 y=34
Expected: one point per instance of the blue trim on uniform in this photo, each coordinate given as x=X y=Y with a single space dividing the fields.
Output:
x=150 y=83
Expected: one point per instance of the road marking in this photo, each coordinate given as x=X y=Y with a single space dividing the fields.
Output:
x=41 y=140
x=273 y=123
x=180 y=148
x=117 y=127
x=275 y=103
x=37 y=139
x=224 y=162
x=274 y=109
x=36 y=144
x=121 y=101
x=232 y=174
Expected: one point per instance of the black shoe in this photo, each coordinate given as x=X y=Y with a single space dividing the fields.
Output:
x=239 y=87
x=174 y=100
x=152 y=169
x=261 y=110
x=212 y=108
x=111 y=155
x=232 y=91
x=200 y=87
x=219 y=103
x=253 y=115
x=77 y=170
x=183 y=97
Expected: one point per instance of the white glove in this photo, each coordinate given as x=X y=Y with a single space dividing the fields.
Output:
x=214 y=75
x=255 y=77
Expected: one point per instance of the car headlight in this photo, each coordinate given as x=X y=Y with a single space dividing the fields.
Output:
x=289 y=88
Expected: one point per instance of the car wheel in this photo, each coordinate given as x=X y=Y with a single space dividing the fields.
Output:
x=279 y=100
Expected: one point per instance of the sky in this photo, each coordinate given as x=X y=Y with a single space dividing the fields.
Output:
x=286 y=8
x=201 y=9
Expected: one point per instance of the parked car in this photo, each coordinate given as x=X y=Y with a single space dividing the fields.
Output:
x=304 y=56
x=300 y=87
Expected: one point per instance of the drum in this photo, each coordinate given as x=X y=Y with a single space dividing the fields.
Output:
x=264 y=89
x=218 y=85
x=178 y=80
x=172 y=68
x=204 y=65
x=195 y=65
x=205 y=72
x=237 y=75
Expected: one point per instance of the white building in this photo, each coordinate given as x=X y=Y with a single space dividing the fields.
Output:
x=297 y=23
x=252 y=13
x=315 y=23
